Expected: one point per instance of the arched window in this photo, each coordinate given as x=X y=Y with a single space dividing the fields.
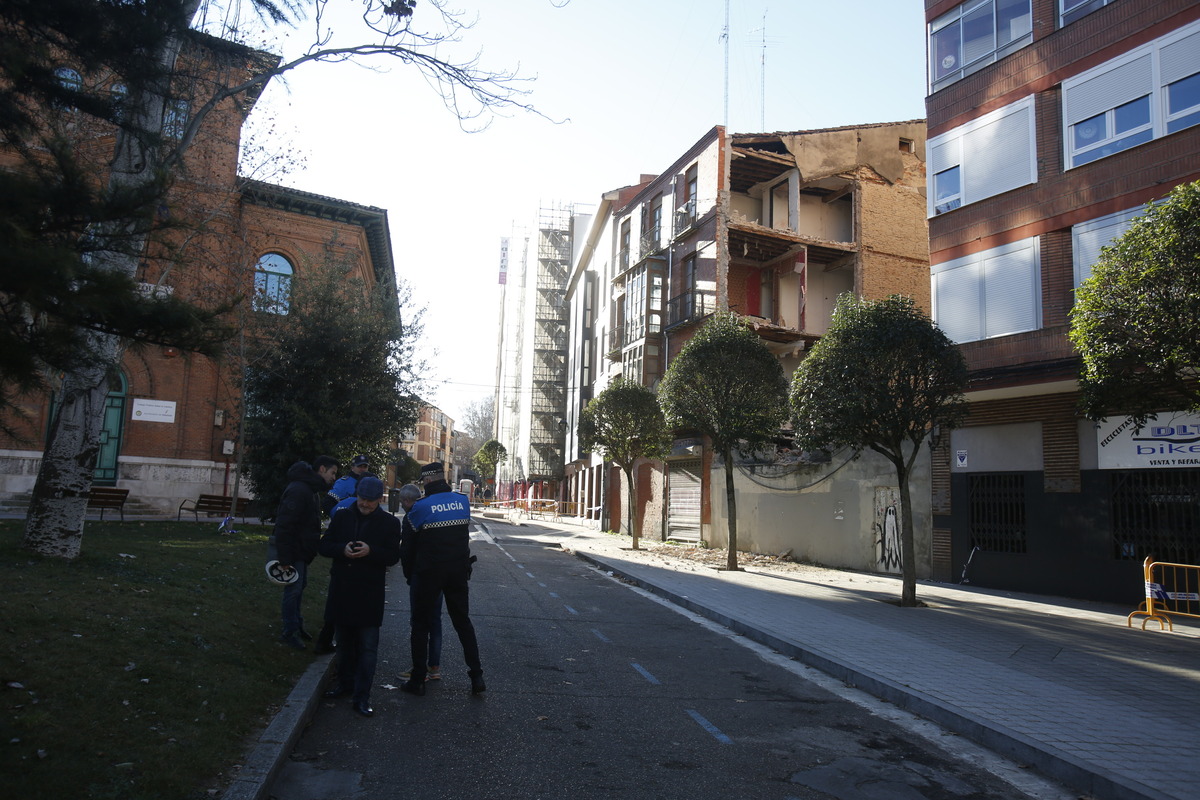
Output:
x=273 y=284
x=70 y=80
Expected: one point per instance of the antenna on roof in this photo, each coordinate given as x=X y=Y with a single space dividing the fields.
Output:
x=725 y=36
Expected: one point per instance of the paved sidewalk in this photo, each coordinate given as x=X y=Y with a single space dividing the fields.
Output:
x=1064 y=686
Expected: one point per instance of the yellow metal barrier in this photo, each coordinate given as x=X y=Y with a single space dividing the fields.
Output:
x=1171 y=590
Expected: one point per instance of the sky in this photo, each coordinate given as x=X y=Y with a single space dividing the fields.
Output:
x=624 y=87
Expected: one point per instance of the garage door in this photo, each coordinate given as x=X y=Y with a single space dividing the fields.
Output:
x=683 y=500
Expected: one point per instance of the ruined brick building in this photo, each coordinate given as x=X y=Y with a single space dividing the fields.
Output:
x=773 y=227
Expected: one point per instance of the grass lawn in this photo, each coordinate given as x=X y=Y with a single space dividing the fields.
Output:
x=142 y=668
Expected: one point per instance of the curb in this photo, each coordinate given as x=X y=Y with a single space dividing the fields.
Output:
x=1050 y=761
x=264 y=761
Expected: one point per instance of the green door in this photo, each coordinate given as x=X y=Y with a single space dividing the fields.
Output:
x=110 y=436
x=110 y=433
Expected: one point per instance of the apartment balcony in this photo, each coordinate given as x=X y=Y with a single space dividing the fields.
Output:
x=690 y=306
x=685 y=218
x=615 y=342
x=650 y=244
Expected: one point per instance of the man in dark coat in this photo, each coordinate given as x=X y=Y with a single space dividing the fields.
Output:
x=363 y=540
x=440 y=547
x=297 y=531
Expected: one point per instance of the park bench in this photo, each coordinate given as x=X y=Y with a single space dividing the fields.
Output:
x=107 y=498
x=214 y=505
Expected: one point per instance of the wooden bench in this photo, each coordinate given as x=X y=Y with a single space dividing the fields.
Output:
x=106 y=498
x=214 y=505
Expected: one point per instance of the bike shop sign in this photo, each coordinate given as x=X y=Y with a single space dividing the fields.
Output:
x=1165 y=441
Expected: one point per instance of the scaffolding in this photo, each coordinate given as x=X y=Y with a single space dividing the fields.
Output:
x=550 y=335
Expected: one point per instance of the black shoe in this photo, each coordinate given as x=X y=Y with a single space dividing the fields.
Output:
x=293 y=640
x=477 y=684
x=364 y=708
x=337 y=691
x=413 y=687
x=305 y=635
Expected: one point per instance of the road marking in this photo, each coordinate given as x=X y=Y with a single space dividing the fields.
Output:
x=708 y=726
x=645 y=673
x=573 y=611
x=554 y=595
x=601 y=636
x=530 y=574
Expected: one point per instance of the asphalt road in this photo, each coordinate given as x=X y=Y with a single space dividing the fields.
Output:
x=598 y=690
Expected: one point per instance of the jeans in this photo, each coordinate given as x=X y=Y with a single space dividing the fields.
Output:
x=435 y=628
x=293 y=593
x=358 y=652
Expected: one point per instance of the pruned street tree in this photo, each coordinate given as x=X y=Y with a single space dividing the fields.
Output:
x=491 y=455
x=884 y=377
x=92 y=228
x=625 y=424
x=1136 y=320
x=336 y=375
x=727 y=385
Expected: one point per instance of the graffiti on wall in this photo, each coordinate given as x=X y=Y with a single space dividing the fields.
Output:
x=887 y=529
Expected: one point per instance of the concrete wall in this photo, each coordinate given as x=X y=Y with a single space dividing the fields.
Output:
x=834 y=515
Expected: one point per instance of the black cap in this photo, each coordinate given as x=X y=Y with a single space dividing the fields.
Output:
x=359 y=461
x=432 y=469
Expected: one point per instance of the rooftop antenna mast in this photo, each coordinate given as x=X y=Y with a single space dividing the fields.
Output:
x=762 y=83
x=725 y=36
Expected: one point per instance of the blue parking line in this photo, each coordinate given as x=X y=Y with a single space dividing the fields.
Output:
x=708 y=726
x=573 y=611
x=645 y=673
x=554 y=595
x=601 y=636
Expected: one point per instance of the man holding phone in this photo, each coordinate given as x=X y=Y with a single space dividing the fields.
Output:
x=363 y=540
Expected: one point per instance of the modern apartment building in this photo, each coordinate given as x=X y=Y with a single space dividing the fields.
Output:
x=773 y=227
x=1052 y=123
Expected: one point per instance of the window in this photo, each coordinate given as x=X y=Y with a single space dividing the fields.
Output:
x=685 y=214
x=1087 y=238
x=71 y=82
x=974 y=35
x=992 y=293
x=119 y=94
x=175 y=119
x=1074 y=9
x=947 y=190
x=1135 y=98
x=273 y=284
x=985 y=157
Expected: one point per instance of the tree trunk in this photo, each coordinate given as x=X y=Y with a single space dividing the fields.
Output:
x=54 y=525
x=631 y=513
x=908 y=558
x=731 y=563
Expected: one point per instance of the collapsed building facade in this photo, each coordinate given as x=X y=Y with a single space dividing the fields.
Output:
x=772 y=227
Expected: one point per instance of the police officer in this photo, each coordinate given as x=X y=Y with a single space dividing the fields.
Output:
x=441 y=562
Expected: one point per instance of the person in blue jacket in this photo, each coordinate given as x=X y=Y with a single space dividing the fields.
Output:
x=441 y=562
x=363 y=540
x=347 y=485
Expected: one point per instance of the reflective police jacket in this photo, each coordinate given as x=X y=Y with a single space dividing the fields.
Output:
x=440 y=534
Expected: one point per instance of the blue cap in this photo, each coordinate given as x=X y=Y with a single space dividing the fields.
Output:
x=370 y=488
